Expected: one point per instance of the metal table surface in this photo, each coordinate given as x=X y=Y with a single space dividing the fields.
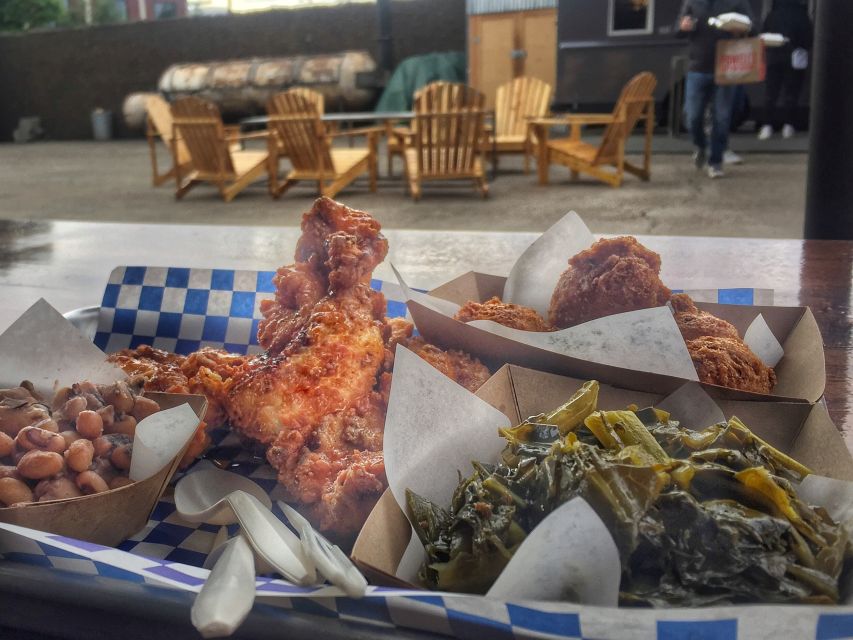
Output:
x=343 y=116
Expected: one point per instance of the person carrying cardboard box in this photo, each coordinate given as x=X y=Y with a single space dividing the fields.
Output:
x=700 y=89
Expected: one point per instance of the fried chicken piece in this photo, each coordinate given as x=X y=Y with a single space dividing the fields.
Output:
x=614 y=275
x=287 y=401
x=510 y=315
x=456 y=365
x=339 y=472
x=160 y=370
x=298 y=289
x=333 y=364
x=342 y=244
x=695 y=323
x=729 y=362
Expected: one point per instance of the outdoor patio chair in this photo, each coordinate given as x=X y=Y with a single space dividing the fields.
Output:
x=517 y=103
x=446 y=145
x=159 y=125
x=296 y=131
x=636 y=103
x=435 y=96
x=213 y=156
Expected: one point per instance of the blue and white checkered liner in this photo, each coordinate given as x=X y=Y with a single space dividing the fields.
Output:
x=184 y=309
x=181 y=310
x=447 y=614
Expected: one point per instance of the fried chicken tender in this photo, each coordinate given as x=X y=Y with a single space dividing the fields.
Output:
x=344 y=245
x=695 y=323
x=318 y=397
x=456 y=365
x=510 y=315
x=167 y=372
x=614 y=275
x=728 y=362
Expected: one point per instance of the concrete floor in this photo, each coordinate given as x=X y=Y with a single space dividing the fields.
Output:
x=764 y=197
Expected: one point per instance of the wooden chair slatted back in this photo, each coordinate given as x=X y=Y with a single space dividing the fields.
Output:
x=296 y=124
x=517 y=102
x=160 y=118
x=635 y=98
x=281 y=102
x=198 y=124
x=449 y=142
x=447 y=96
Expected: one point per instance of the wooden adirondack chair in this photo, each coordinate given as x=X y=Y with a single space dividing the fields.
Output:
x=296 y=131
x=447 y=139
x=435 y=96
x=159 y=125
x=517 y=103
x=198 y=124
x=635 y=103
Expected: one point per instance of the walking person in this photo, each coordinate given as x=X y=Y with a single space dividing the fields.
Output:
x=700 y=89
x=786 y=65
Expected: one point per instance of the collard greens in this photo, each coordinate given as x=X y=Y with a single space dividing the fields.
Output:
x=699 y=517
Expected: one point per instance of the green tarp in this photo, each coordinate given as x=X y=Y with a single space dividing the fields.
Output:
x=415 y=72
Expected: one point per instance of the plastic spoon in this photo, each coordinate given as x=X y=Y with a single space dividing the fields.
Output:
x=226 y=598
x=210 y=496
x=330 y=560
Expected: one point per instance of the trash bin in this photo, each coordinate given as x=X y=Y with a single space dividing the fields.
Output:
x=102 y=124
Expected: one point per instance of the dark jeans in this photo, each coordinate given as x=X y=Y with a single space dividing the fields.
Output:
x=783 y=81
x=700 y=91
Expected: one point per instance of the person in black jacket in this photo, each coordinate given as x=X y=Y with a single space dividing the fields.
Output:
x=786 y=66
x=700 y=89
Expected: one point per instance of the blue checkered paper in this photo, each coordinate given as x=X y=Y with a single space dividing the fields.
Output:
x=181 y=310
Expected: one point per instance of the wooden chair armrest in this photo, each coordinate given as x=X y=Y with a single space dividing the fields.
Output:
x=576 y=118
x=256 y=135
x=360 y=131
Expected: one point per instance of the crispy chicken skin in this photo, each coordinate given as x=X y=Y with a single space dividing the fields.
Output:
x=456 y=365
x=614 y=275
x=695 y=323
x=728 y=362
x=511 y=315
x=160 y=370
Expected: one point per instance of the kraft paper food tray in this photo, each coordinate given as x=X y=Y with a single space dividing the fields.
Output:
x=110 y=517
x=803 y=431
x=801 y=373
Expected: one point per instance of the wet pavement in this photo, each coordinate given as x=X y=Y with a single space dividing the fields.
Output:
x=110 y=182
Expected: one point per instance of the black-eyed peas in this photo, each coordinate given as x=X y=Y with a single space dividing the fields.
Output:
x=79 y=455
x=90 y=482
x=30 y=438
x=14 y=491
x=38 y=465
x=56 y=488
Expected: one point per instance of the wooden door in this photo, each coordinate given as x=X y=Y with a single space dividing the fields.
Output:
x=539 y=40
x=503 y=46
x=491 y=44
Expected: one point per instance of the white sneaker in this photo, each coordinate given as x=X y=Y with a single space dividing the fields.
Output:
x=715 y=172
x=730 y=157
x=788 y=131
x=765 y=133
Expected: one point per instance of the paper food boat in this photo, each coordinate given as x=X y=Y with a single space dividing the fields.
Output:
x=640 y=350
x=43 y=347
x=386 y=546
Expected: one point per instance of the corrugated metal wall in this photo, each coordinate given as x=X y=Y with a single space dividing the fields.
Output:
x=475 y=7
